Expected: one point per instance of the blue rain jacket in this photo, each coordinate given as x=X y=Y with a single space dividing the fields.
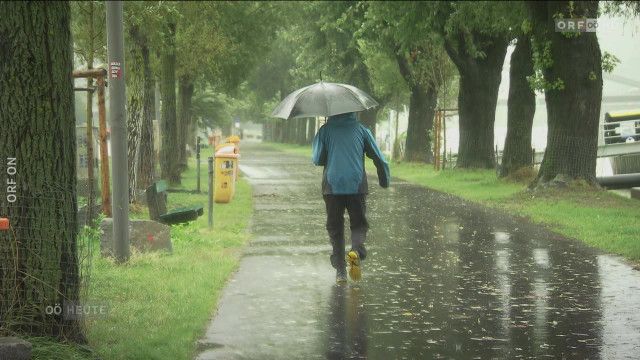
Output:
x=340 y=146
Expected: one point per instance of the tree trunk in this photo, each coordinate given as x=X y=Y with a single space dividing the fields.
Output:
x=134 y=122
x=521 y=109
x=289 y=129
x=422 y=107
x=477 y=97
x=280 y=132
x=311 y=130
x=169 y=159
x=572 y=112
x=302 y=131
x=185 y=95
x=146 y=156
x=38 y=146
x=135 y=100
x=267 y=131
x=396 y=156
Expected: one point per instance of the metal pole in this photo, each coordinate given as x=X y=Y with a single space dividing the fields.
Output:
x=210 y=214
x=117 y=117
x=198 y=163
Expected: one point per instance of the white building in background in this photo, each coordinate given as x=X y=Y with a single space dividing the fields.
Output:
x=621 y=91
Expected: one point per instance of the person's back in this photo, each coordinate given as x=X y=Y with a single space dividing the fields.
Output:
x=340 y=146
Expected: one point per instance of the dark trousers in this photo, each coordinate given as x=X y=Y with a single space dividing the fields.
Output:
x=356 y=207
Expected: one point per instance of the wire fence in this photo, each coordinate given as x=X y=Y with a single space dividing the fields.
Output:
x=45 y=263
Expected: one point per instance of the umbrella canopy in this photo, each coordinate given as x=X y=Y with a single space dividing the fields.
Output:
x=323 y=99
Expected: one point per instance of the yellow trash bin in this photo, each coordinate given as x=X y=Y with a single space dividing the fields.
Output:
x=229 y=148
x=225 y=186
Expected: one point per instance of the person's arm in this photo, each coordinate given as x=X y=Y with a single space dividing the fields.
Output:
x=319 y=152
x=373 y=152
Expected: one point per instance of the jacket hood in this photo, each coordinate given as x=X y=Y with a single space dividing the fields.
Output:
x=343 y=117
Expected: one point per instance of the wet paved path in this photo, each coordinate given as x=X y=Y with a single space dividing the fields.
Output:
x=444 y=279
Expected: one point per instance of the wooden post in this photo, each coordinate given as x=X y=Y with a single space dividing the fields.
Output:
x=436 y=141
x=533 y=156
x=444 y=139
x=104 y=152
x=198 y=164
x=90 y=153
x=99 y=74
x=210 y=161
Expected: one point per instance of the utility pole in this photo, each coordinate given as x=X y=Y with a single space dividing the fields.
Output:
x=117 y=117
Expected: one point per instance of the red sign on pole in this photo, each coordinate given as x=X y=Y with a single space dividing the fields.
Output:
x=115 y=71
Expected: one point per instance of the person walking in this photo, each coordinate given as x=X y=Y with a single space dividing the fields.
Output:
x=340 y=146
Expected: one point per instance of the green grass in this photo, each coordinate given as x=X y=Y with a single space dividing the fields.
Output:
x=160 y=303
x=598 y=218
x=46 y=349
x=304 y=150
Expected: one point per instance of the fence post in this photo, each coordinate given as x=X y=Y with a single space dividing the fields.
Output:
x=210 y=213
x=533 y=156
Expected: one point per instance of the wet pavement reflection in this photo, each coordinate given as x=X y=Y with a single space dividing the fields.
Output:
x=444 y=279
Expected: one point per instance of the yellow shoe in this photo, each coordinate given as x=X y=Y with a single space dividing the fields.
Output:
x=353 y=260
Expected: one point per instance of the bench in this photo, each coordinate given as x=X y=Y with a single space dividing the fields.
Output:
x=156 y=195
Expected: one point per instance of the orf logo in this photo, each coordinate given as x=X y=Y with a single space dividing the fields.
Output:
x=576 y=25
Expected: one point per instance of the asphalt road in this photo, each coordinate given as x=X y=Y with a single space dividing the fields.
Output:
x=444 y=279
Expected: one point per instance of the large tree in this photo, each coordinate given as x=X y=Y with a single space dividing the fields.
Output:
x=521 y=104
x=571 y=68
x=140 y=20
x=422 y=106
x=169 y=149
x=135 y=99
x=39 y=253
x=420 y=59
x=217 y=46
x=476 y=36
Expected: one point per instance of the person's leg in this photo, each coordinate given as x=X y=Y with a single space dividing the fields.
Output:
x=335 y=206
x=357 y=208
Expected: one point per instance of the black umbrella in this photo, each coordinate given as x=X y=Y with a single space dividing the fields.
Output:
x=323 y=99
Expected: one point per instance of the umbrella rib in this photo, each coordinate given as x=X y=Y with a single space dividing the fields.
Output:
x=358 y=99
x=326 y=101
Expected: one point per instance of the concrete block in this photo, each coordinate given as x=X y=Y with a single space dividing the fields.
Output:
x=635 y=193
x=13 y=348
x=144 y=235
